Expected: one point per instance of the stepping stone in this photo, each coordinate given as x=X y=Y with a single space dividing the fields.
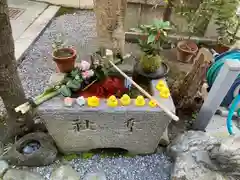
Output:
x=14 y=174
x=65 y=172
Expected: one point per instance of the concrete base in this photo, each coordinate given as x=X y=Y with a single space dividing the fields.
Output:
x=218 y=128
x=77 y=129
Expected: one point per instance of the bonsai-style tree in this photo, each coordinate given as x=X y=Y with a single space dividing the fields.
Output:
x=151 y=44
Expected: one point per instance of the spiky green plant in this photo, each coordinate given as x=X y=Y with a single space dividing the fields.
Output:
x=154 y=36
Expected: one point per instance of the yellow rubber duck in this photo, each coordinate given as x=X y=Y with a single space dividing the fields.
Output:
x=152 y=104
x=93 y=101
x=125 y=100
x=112 y=101
x=164 y=93
x=160 y=85
x=140 y=101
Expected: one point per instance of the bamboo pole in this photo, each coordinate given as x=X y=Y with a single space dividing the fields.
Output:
x=166 y=110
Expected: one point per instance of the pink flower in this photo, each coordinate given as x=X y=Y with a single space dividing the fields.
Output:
x=87 y=74
x=84 y=65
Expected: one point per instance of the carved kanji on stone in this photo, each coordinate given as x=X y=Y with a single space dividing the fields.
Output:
x=79 y=125
x=130 y=124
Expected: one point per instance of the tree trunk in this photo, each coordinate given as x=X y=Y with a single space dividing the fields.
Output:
x=110 y=15
x=168 y=10
x=187 y=92
x=11 y=90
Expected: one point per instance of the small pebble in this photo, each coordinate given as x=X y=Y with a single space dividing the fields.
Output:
x=30 y=148
x=80 y=101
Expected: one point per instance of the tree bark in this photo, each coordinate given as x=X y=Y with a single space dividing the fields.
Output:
x=11 y=90
x=187 y=92
x=168 y=10
x=110 y=15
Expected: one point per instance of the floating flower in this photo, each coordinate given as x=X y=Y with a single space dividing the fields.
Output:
x=68 y=102
x=80 y=101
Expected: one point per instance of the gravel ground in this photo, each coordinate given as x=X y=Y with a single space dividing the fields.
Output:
x=35 y=70
x=77 y=29
x=150 y=167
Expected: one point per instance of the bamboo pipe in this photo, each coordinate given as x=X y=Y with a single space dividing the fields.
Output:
x=166 y=110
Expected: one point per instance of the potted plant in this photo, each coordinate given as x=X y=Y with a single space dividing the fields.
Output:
x=151 y=42
x=63 y=56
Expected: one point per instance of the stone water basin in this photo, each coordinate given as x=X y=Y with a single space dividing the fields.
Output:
x=77 y=129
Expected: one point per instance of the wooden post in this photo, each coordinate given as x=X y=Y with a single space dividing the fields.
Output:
x=110 y=15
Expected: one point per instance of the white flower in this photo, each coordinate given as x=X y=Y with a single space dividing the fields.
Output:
x=84 y=65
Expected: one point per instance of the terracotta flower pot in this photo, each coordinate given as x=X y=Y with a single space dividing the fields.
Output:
x=65 y=59
x=186 y=50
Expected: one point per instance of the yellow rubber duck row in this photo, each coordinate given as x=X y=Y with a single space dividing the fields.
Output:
x=125 y=100
x=164 y=92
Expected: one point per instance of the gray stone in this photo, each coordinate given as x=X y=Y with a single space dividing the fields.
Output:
x=95 y=176
x=3 y=167
x=14 y=174
x=164 y=141
x=44 y=155
x=65 y=172
x=191 y=141
x=199 y=156
x=227 y=155
x=79 y=129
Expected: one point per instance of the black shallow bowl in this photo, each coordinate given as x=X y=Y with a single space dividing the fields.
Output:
x=160 y=73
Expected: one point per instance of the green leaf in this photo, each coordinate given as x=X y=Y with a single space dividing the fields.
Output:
x=74 y=72
x=73 y=84
x=157 y=23
x=151 y=38
x=65 y=91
